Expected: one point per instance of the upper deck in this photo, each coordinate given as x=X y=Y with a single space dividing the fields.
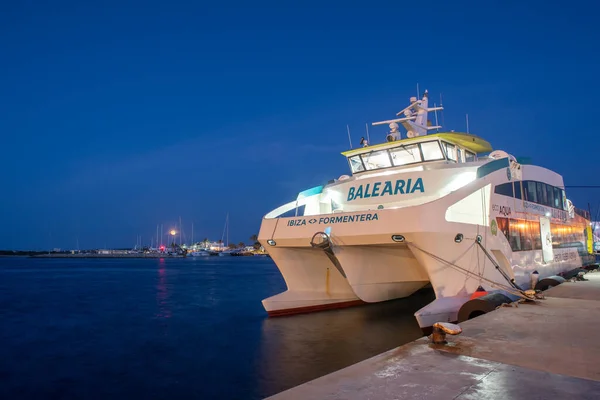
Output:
x=449 y=146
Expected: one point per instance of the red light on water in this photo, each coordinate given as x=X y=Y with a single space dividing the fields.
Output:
x=162 y=247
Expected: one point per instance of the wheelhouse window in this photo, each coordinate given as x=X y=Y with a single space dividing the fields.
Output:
x=405 y=155
x=408 y=154
x=376 y=160
x=431 y=151
x=356 y=164
x=450 y=150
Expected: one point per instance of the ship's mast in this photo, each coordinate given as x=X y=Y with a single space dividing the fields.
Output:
x=414 y=119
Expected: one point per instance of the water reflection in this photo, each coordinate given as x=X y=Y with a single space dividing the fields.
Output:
x=300 y=348
x=162 y=293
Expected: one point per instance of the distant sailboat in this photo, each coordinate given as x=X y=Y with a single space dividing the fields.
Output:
x=227 y=251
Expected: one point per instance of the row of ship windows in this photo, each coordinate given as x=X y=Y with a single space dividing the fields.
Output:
x=526 y=235
x=535 y=192
x=409 y=154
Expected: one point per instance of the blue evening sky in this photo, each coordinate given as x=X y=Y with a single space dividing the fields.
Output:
x=118 y=116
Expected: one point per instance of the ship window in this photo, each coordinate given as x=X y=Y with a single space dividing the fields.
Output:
x=517 y=189
x=526 y=239
x=450 y=151
x=564 y=200
x=469 y=156
x=431 y=151
x=557 y=198
x=556 y=233
x=541 y=193
x=506 y=189
x=503 y=227
x=405 y=155
x=376 y=159
x=459 y=154
x=531 y=194
x=356 y=164
x=550 y=195
x=536 y=235
x=515 y=230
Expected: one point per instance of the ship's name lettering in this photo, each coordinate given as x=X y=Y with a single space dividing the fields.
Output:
x=565 y=256
x=334 y=220
x=555 y=213
x=387 y=188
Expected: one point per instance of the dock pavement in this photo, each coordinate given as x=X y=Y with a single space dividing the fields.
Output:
x=547 y=349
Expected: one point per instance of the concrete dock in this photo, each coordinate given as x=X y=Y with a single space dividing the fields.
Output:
x=549 y=349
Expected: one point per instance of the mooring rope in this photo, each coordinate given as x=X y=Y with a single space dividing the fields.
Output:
x=495 y=264
x=509 y=289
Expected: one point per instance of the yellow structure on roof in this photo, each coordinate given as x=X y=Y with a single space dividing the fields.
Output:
x=466 y=140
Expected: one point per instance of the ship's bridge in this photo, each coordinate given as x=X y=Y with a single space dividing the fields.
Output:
x=453 y=147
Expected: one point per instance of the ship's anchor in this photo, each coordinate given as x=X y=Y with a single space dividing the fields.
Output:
x=321 y=240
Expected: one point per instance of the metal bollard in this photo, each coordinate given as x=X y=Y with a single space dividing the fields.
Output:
x=441 y=329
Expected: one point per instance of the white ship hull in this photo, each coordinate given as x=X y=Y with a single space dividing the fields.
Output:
x=314 y=284
x=381 y=272
x=375 y=268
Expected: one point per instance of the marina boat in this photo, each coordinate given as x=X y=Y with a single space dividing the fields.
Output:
x=199 y=253
x=227 y=252
x=439 y=208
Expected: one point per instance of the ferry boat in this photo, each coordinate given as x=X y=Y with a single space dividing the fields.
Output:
x=432 y=208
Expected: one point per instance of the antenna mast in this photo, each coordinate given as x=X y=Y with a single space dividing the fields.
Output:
x=436 y=118
x=367 y=128
x=350 y=140
x=467 y=123
x=442 y=105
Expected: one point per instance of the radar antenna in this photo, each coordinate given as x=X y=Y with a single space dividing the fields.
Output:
x=414 y=120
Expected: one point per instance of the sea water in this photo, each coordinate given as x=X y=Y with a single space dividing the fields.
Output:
x=173 y=328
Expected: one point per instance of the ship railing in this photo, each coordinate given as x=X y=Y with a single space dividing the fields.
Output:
x=281 y=210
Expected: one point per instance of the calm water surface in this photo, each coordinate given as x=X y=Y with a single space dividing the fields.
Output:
x=173 y=328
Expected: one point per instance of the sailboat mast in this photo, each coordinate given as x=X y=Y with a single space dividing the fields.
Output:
x=225 y=234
